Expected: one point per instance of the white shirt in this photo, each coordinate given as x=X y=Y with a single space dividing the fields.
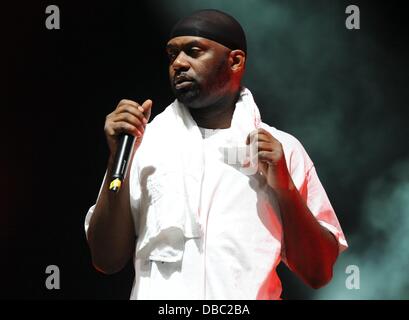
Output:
x=242 y=243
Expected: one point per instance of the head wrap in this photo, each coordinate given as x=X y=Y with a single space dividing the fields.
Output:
x=213 y=25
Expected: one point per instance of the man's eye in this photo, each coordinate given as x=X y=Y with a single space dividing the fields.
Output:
x=194 y=51
x=172 y=56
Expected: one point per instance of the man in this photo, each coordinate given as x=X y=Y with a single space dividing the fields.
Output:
x=198 y=224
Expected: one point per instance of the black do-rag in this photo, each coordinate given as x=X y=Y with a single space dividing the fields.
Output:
x=213 y=25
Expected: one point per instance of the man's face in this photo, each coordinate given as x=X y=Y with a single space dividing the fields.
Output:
x=198 y=70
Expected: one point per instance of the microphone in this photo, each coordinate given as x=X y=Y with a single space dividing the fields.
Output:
x=122 y=158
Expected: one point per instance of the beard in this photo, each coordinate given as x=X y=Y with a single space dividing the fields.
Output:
x=187 y=95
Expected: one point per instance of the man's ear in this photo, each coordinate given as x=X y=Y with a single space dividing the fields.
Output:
x=237 y=60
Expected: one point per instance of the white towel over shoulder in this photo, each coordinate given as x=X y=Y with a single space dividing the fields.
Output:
x=170 y=166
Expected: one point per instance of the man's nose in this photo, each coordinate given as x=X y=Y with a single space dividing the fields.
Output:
x=181 y=63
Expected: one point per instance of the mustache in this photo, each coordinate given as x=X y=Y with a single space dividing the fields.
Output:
x=181 y=78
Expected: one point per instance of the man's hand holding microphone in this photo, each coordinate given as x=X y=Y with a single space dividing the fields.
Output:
x=122 y=126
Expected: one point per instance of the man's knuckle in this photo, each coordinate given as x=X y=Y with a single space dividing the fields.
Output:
x=127 y=117
x=124 y=101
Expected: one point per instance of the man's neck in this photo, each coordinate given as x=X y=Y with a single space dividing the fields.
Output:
x=217 y=115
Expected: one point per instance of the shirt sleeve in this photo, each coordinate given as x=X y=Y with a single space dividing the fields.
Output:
x=320 y=206
x=306 y=179
x=135 y=193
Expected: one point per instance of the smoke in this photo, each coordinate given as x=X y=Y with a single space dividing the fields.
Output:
x=342 y=94
x=380 y=248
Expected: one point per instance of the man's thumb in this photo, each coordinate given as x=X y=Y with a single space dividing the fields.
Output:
x=147 y=106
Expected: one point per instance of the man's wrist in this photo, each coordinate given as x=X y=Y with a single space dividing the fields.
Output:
x=285 y=190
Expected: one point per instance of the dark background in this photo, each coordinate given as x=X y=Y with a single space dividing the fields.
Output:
x=57 y=86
